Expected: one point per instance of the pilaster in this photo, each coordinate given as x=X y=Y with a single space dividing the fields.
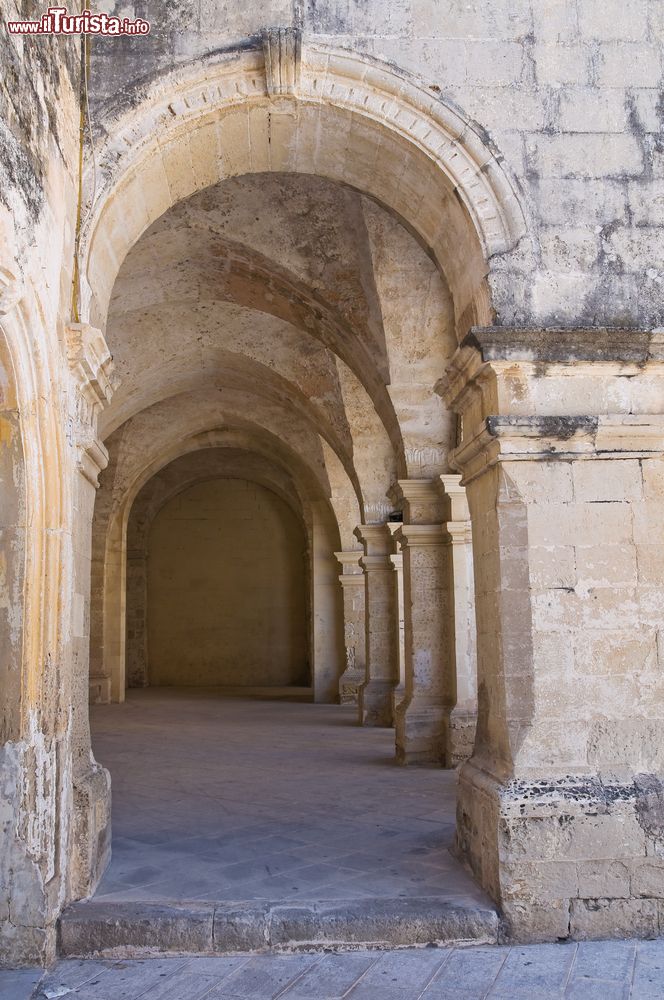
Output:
x=91 y=387
x=352 y=584
x=457 y=534
x=422 y=717
x=382 y=663
x=396 y=558
x=562 y=456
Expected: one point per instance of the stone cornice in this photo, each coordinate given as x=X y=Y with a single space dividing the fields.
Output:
x=543 y=438
x=601 y=344
x=488 y=354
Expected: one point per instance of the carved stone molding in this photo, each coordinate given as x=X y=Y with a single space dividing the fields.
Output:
x=91 y=365
x=90 y=362
x=282 y=48
x=11 y=290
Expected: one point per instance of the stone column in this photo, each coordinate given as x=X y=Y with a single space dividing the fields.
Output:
x=560 y=807
x=397 y=562
x=458 y=536
x=382 y=658
x=421 y=723
x=352 y=585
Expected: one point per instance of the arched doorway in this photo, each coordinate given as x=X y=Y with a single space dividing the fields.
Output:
x=301 y=303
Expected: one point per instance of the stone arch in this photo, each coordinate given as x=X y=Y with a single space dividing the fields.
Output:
x=109 y=557
x=12 y=550
x=228 y=600
x=346 y=117
x=184 y=472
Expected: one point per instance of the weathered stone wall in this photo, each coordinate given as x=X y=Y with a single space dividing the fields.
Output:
x=550 y=180
x=568 y=92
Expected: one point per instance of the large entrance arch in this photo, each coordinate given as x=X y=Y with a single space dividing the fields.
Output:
x=341 y=116
x=289 y=330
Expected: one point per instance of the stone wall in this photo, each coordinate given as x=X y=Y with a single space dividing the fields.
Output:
x=226 y=589
x=568 y=93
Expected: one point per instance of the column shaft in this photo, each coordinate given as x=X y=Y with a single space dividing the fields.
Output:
x=352 y=585
x=382 y=663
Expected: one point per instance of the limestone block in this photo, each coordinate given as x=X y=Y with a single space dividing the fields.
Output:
x=613 y=918
x=493 y=63
x=583 y=109
x=646 y=201
x=610 y=879
x=597 y=155
x=606 y=565
x=648 y=879
x=622 y=20
x=568 y=248
x=645 y=101
x=599 y=202
x=557 y=22
x=626 y=64
x=460 y=19
x=557 y=65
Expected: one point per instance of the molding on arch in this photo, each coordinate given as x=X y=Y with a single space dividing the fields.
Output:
x=178 y=104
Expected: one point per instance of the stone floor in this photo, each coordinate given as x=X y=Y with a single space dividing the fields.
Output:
x=614 y=970
x=218 y=798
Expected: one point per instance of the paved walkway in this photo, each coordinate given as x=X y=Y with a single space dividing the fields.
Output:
x=229 y=799
x=590 y=971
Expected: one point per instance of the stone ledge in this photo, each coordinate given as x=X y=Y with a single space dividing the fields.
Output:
x=564 y=345
x=135 y=929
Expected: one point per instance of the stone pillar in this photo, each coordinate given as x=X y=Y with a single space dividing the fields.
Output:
x=352 y=585
x=458 y=536
x=326 y=607
x=396 y=559
x=421 y=723
x=382 y=662
x=91 y=368
x=560 y=809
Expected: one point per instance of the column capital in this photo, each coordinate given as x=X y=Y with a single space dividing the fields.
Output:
x=456 y=502
x=350 y=561
x=375 y=538
x=422 y=500
x=457 y=532
x=376 y=564
x=416 y=535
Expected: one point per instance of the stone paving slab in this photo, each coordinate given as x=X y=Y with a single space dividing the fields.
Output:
x=225 y=799
x=610 y=970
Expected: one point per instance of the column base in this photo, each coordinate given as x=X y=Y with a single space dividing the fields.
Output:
x=91 y=850
x=421 y=733
x=398 y=696
x=566 y=857
x=100 y=690
x=376 y=704
x=460 y=737
x=350 y=683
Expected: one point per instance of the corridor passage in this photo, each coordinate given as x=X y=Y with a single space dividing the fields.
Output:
x=232 y=799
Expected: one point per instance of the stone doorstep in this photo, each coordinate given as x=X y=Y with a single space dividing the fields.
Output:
x=135 y=929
